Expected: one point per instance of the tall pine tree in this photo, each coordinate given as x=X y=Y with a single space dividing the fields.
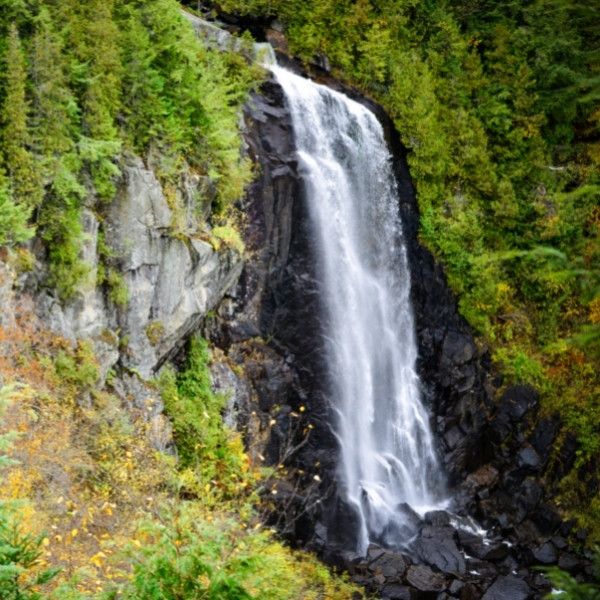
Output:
x=23 y=175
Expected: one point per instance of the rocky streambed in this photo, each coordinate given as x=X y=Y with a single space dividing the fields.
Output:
x=450 y=558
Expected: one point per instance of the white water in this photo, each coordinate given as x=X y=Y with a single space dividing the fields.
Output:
x=387 y=454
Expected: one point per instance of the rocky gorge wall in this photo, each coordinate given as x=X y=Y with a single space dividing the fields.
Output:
x=261 y=316
x=172 y=275
x=495 y=452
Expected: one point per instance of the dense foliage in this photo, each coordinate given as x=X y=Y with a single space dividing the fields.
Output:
x=85 y=84
x=89 y=510
x=498 y=105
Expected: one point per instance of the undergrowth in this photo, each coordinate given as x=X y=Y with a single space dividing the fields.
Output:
x=91 y=510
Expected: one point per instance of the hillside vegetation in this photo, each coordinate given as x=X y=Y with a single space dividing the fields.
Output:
x=89 y=509
x=84 y=85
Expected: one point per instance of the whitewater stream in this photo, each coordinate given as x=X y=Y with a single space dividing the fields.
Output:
x=387 y=455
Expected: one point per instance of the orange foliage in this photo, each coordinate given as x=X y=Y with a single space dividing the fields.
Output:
x=85 y=467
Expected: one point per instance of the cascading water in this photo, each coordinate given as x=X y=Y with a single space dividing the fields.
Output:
x=387 y=456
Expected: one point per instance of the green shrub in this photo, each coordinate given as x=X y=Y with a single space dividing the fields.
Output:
x=212 y=462
x=187 y=553
x=568 y=588
x=519 y=366
x=20 y=575
x=229 y=236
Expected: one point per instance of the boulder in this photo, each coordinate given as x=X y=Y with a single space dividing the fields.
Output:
x=507 y=587
x=546 y=554
x=423 y=578
x=480 y=548
x=528 y=459
x=396 y=591
x=389 y=564
x=436 y=547
x=570 y=562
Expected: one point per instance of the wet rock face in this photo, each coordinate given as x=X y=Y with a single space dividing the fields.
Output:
x=494 y=450
x=269 y=323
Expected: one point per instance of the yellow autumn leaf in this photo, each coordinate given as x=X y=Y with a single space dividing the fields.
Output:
x=97 y=559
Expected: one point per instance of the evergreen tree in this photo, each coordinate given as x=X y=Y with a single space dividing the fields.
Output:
x=54 y=109
x=13 y=217
x=23 y=174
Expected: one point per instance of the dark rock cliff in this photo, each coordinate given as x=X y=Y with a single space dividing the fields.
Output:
x=494 y=451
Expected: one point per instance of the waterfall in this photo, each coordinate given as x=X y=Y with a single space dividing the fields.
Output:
x=387 y=455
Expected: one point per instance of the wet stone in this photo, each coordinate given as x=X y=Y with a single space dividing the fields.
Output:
x=481 y=569
x=455 y=587
x=410 y=516
x=507 y=587
x=389 y=565
x=485 y=477
x=436 y=547
x=475 y=546
x=437 y=518
x=395 y=591
x=559 y=542
x=546 y=519
x=424 y=579
x=470 y=592
x=528 y=458
x=545 y=554
x=453 y=437
x=570 y=563
x=540 y=584
x=374 y=552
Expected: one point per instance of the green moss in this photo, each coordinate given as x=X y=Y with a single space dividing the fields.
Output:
x=154 y=331
x=228 y=236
